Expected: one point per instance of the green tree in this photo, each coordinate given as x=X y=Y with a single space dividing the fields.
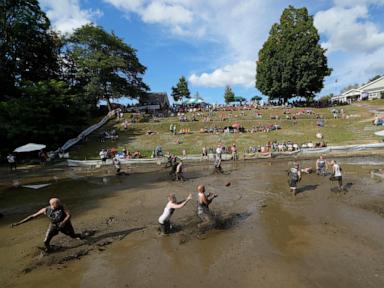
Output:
x=292 y=62
x=375 y=78
x=229 y=96
x=46 y=112
x=181 y=90
x=256 y=98
x=325 y=99
x=28 y=48
x=104 y=65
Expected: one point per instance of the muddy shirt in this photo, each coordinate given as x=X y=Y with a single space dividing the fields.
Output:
x=294 y=174
x=56 y=215
x=321 y=164
x=202 y=208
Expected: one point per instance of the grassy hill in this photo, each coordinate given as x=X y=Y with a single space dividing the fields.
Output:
x=355 y=128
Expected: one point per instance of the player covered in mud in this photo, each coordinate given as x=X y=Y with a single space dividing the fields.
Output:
x=321 y=168
x=173 y=164
x=336 y=174
x=172 y=205
x=217 y=164
x=60 y=221
x=203 y=202
x=179 y=172
x=294 y=177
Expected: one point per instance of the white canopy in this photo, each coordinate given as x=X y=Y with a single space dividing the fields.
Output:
x=30 y=147
x=37 y=186
x=380 y=133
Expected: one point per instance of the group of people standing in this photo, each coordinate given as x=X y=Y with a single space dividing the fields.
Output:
x=295 y=173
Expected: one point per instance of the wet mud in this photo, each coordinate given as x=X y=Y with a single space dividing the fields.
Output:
x=261 y=236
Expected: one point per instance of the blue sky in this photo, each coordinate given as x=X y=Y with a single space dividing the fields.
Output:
x=215 y=42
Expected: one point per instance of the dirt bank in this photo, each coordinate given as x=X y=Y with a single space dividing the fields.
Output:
x=265 y=237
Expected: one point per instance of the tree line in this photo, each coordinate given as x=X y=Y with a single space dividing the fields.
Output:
x=51 y=84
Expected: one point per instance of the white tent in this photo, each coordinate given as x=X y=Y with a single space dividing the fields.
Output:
x=37 y=186
x=380 y=133
x=30 y=147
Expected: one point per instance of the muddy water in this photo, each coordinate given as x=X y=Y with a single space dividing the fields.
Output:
x=265 y=236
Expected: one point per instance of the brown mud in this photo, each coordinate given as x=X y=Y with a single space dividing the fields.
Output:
x=263 y=237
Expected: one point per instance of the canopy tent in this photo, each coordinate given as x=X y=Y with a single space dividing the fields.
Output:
x=30 y=147
x=380 y=133
x=236 y=125
x=193 y=101
x=256 y=98
x=36 y=186
x=239 y=99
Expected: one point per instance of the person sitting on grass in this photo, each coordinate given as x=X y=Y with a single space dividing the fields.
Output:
x=136 y=155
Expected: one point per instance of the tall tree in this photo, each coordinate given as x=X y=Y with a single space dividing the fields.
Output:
x=292 y=62
x=181 y=90
x=28 y=49
x=104 y=65
x=46 y=112
x=229 y=96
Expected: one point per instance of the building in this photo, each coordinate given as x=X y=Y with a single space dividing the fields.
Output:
x=154 y=102
x=369 y=91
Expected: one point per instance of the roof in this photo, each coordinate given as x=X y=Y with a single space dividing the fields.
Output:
x=352 y=92
x=153 y=98
x=377 y=84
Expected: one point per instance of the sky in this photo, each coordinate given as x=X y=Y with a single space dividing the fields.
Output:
x=214 y=43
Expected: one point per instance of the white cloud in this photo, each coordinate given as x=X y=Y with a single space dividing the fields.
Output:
x=167 y=12
x=349 y=29
x=241 y=27
x=241 y=73
x=355 y=69
x=66 y=15
x=158 y=12
x=349 y=3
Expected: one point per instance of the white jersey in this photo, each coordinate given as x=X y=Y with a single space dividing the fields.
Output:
x=337 y=170
x=166 y=216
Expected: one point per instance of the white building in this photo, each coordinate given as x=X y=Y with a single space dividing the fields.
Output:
x=370 y=91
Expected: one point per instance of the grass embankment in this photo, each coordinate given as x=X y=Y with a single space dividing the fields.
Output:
x=357 y=128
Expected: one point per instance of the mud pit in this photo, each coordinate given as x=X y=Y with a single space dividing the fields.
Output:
x=265 y=236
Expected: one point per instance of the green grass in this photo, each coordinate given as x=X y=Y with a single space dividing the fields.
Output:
x=356 y=129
